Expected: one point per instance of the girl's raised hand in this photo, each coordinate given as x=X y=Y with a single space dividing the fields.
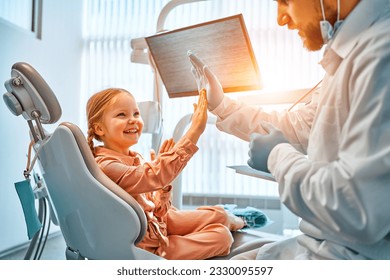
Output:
x=199 y=118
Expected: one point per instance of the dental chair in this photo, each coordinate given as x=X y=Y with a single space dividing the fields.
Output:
x=97 y=218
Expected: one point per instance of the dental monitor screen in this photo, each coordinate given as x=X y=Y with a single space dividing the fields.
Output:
x=223 y=44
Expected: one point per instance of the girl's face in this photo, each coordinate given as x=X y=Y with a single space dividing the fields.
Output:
x=122 y=125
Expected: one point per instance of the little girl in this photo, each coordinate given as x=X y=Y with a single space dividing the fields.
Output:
x=115 y=120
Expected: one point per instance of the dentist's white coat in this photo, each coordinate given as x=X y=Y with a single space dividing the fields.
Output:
x=341 y=189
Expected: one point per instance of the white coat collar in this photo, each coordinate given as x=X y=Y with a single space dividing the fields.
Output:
x=361 y=17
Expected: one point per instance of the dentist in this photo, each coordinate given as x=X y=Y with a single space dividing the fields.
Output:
x=331 y=157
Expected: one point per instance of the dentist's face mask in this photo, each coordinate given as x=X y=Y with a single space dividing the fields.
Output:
x=327 y=30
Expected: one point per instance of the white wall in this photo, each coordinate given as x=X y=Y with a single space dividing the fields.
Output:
x=57 y=57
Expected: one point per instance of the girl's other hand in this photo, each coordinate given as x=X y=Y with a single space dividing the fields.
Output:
x=167 y=145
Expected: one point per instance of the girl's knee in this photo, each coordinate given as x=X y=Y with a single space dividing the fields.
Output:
x=217 y=213
x=226 y=240
x=223 y=237
x=221 y=216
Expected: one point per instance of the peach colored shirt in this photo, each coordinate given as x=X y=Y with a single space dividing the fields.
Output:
x=148 y=182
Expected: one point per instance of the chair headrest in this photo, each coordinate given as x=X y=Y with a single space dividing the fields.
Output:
x=28 y=94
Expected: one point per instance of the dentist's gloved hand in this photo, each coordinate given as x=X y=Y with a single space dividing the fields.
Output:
x=205 y=78
x=260 y=146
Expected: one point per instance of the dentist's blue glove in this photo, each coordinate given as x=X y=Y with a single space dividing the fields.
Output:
x=206 y=79
x=260 y=146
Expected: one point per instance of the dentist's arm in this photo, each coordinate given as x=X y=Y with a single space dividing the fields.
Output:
x=242 y=120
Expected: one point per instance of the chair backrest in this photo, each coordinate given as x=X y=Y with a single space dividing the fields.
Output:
x=97 y=218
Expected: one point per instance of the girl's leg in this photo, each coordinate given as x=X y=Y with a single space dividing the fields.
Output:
x=182 y=222
x=212 y=240
x=250 y=255
x=232 y=222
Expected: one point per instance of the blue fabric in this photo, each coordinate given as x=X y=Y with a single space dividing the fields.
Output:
x=254 y=218
x=26 y=196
